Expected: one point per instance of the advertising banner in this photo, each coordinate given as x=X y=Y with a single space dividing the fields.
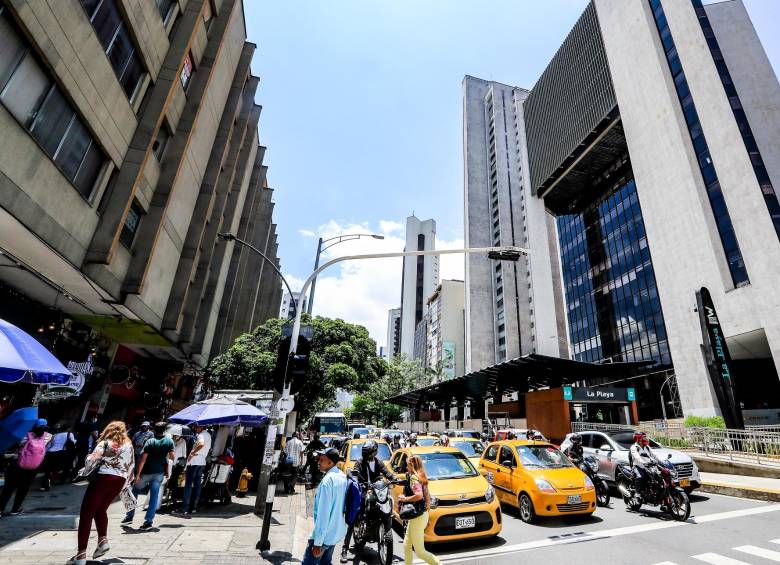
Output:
x=448 y=359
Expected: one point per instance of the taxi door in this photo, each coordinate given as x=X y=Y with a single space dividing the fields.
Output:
x=506 y=465
x=488 y=467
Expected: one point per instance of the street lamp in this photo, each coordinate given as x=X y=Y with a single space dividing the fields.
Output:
x=336 y=240
x=507 y=253
x=661 y=392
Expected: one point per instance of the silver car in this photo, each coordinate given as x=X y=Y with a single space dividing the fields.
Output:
x=611 y=448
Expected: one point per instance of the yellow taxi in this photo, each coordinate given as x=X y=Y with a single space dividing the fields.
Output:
x=351 y=452
x=463 y=504
x=537 y=479
x=327 y=439
x=471 y=448
x=427 y=440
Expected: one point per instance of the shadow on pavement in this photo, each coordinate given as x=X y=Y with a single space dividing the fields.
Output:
x=278 y=557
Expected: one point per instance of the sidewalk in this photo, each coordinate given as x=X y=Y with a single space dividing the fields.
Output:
x=217 y=535
x=758 y=488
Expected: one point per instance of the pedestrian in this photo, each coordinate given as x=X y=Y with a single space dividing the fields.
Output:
x=417 y=491
x=60 y=448
x=22 y=469
x=113 y=459
x=329 y=524
x=193 y=473
x=151 y=470
x=140 y=437
x=293 y=452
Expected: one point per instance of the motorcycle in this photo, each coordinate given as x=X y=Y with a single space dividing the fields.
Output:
x=662 y=489
x=590 y=466
x=374 y=525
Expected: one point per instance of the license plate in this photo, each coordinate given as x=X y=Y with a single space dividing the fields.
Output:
x=685 y=483
x=465 y=522
x=575 y=499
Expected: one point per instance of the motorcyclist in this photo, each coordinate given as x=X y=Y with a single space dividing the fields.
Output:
x=412 y=440
x=444 y=440
x=510 y=436
x=529 y=434
x=396 y=443
x=311 y=460
x=484 y=437
x=640 y=455
x=574 y=451
x=367 y=470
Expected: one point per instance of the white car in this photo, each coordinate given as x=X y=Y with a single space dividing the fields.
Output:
x=611 y=448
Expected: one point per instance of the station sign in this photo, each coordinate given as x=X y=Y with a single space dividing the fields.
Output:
x=599 y=394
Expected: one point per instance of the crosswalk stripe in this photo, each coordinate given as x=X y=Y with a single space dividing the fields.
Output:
x=665 y=563
x=715 y=559
x=759 y=552
x=774 y=540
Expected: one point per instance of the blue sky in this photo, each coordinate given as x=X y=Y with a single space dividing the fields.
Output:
x=362 y=119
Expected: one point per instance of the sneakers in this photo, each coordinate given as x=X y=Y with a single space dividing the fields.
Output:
x=146 y=525
x=75 y=560
x=344 y=557
x=101 y=550
x=127 y=520
x=15 y=512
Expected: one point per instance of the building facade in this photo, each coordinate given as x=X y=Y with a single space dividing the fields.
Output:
x=512 y=308
x=445 y=330
x=393 y=346
x=661 y=173
x=419 y=279
x=130 y=141
x=290 y=307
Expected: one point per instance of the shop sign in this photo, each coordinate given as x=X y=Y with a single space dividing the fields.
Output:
x=599 y=394
x=78 y=376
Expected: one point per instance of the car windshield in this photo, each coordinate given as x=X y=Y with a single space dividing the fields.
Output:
x=424 y=441
x=383 y=453
x=361 y=431
x=447 y=466
x=542 y=457
x=626 y=440
x=469 y=448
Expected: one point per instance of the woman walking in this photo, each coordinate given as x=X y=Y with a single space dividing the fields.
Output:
x=113 y=457
x=22 y=471
x=417 y=492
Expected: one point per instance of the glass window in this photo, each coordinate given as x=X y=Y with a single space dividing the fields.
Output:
x=158 y=148
x=132 y=222
x=186 y=71
x=447 y=466
x=90 y=168
x=106 y=21
x=25 y=90
x=492 y=451
x=11 y=50
x=165 y=7
x=131 y=78
x=52 y=121
x=73 y=149
x=507 y=456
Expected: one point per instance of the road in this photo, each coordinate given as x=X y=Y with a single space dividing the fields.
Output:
x=721 y=531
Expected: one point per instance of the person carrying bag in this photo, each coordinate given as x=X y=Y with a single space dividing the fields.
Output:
x=413 y=507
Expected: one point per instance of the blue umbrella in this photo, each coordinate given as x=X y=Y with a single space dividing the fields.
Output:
x=220 y=410
x=15 y=426
x=22 y=357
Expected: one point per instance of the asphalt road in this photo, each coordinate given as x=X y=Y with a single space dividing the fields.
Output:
x=722 y=531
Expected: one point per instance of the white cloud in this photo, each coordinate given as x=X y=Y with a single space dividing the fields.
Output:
x=307 y=233
x=362 y=291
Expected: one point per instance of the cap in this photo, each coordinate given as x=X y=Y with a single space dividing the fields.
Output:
x=331 y=453
x=42 y=422
x=145 y=423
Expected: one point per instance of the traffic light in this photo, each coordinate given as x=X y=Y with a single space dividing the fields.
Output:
x=297 y=365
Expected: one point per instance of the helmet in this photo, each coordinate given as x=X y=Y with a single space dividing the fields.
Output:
x=640 y=437
x=397 y=437
x=538 y=436
x=529 y=435
x=576 y=439
x=369 y=450
x=444 y=439
x=413 y=437
x=484 y=437
x=511 y=435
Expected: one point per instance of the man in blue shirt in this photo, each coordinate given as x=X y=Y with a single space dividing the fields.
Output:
x=329 y=524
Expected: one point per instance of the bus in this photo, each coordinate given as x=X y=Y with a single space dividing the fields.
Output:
x=329 y=423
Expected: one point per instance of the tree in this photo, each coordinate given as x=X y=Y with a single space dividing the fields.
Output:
x=401 y=375
x=342 y=356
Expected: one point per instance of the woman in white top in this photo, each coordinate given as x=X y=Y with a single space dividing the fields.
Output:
x=113 y=455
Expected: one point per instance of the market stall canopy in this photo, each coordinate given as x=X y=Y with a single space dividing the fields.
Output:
x=24 y=358
x=220 y=410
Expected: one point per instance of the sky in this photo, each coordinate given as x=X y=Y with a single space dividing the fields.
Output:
x=362 y=123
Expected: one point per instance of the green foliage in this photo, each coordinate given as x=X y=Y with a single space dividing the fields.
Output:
x=705 y=422
x=342 y=356
x=401 y=375
x=674 y=443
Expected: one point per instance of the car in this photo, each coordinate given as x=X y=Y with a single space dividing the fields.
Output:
x=351 y=452
x=471 y=448
x=427 y=440
x=328 y=439
x=464 y=433
x=537 y=479
x=463 y=505
x=611 y=448
x=361 y=432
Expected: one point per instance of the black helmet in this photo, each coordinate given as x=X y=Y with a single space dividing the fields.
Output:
x=397 y=437
x=576 y=439
x=529 y=434
x=369 y=450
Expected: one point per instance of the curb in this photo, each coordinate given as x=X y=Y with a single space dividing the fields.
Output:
x=740 y=491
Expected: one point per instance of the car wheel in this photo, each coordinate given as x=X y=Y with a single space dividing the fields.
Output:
x=526 y=506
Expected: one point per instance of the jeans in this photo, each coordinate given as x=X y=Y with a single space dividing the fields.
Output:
x=326 y=558
x=153 y=481
x=192 y=482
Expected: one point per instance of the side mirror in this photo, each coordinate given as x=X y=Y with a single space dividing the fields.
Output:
x=606 y=447
x=669 y=456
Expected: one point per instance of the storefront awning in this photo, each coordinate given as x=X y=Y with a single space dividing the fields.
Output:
x=528 y=373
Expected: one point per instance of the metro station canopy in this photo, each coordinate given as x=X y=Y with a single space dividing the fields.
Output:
x=524 y=374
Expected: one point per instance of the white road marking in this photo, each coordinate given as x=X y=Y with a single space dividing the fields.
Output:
x=774 y=540
x=665 y=563
x=759 y=552
x=715 y=559
x=603 y=534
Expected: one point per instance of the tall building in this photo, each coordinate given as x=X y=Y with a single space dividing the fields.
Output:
x=512 y=308
x=129 y=142
x=652 y=137
x=445 y=330
x=289 y=307
x=420 y=277
x=393 y=347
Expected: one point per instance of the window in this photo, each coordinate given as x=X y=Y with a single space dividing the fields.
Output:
x=132 y=222
x=112 y=33
x=507 y=455
x=186 y=71
x=158 y=148
x=208 y=14
x=165 y=7
x=491 y=453
x=38 y=104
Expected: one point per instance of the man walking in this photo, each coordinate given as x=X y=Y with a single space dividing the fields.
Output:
x=196 y=462
x=293 y=452
x=140 y=438
x=329 y=524
x=151 y=470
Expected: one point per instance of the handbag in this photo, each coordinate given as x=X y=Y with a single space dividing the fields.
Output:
x=411 y=510
x=91 y=475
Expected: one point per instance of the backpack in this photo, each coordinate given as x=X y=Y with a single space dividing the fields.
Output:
x=32 y=454
x=352 y=501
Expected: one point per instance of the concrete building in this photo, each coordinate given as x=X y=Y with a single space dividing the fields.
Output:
x=393 y=346
x=445 y=326
x=420 y=277
x=652 y=136
x=129 y=142
x=512 y=308
x=289 y=309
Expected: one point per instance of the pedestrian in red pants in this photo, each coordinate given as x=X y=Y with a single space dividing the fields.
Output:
x=113 y=457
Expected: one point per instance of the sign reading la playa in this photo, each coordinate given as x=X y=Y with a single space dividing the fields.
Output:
x=599 y=394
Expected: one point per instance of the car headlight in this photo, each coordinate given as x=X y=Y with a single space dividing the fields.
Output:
x=594 y=465
x=490 y=494
x=544 y=486
x=434 y=502
x=588 y=483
